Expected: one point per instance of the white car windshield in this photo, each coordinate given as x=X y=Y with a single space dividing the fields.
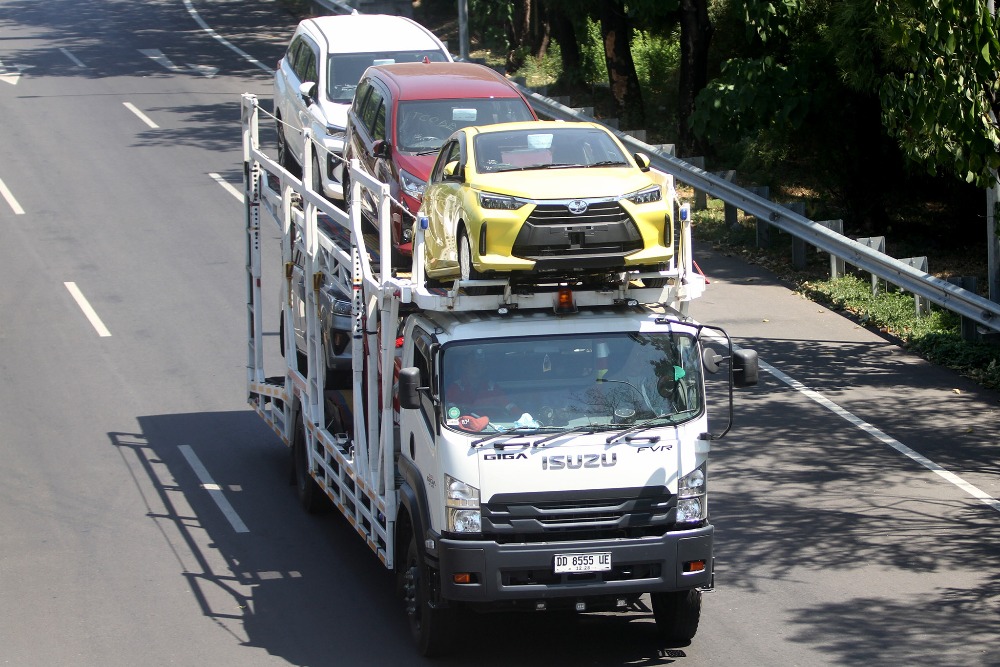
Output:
x=423 y=125
x=517 y=150
x=344 y=70
x=571 y=381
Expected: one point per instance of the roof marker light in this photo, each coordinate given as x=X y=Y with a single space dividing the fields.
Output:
x=564 y=301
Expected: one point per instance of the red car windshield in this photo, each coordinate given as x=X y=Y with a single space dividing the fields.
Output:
x=423 y=125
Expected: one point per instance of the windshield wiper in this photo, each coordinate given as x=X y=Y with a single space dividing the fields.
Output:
x=671 y=420
x=510 y=433
x=587 y=428
x=542 y=166
x=609 y=163
x=430 y=151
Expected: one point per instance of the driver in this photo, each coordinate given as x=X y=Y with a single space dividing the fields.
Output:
x=473 y=393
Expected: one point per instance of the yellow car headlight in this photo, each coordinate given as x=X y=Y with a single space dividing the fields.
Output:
x=646 y=196
x=499 y=202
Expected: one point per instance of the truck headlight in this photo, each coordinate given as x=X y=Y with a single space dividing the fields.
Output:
x=647 y=196
x=692 y=496
x=462 y=506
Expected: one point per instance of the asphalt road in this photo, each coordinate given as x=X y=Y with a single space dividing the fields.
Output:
x=145 y=511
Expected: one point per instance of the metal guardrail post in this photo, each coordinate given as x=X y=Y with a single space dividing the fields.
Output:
x=876 y=243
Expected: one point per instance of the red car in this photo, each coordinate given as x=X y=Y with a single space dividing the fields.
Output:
x=402 y=114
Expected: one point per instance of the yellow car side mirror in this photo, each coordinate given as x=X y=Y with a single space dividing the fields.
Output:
x=453 y=171
x=642 y=160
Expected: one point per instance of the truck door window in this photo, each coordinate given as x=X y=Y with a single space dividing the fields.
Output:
x=421 y=361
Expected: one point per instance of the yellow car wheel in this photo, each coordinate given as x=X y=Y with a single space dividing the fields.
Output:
x=466 y=270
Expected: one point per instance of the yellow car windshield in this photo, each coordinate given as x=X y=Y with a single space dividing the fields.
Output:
x=518 y=150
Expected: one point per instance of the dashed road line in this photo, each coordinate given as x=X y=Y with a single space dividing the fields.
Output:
x=76 y=61
x=214 y=490
x=87 y=309
x=229 y=187
x=143 y=117
x=11 y=201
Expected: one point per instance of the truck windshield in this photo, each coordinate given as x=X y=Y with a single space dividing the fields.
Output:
x=571 y=381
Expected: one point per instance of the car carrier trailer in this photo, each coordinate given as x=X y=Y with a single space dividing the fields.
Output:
x=569 y=473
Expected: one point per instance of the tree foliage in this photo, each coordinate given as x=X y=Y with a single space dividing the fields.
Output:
x=940 y=97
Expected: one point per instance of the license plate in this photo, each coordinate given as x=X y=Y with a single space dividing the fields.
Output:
x=593 y=562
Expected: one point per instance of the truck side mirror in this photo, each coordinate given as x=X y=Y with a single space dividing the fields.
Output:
x=409 y=388
x=746 y=368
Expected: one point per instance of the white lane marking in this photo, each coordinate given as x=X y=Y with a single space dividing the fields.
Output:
x=157 y=56
x=9 y=196
x=222 y=40
x=85 y=306
x=143 y=117
x=213 y=490
x=861 y=424
x=9 y=76
x=206 y=71
x=230 y=188
x=76 y=61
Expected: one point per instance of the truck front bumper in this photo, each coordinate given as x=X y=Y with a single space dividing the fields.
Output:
x=678 y=560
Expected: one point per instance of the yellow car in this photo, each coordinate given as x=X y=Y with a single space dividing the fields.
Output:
x=549 y=198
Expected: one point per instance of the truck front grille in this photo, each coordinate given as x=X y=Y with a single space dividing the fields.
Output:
x=579 y=515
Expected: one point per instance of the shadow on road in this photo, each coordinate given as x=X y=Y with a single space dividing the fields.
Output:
x=305 y=587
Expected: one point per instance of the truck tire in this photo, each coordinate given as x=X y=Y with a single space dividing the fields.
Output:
x=429 y=627
x=677 y=614
x=311 y=497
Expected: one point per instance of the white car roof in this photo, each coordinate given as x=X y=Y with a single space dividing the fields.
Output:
x=363 y=33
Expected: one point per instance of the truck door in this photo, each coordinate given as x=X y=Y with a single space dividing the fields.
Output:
x=418 y=428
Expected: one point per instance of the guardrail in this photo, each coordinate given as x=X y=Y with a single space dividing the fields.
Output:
x=948 y=296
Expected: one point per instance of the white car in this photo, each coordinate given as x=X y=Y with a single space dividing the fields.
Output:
x=315 y=81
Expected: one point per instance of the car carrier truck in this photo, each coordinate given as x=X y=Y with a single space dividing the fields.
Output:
x=532 y=447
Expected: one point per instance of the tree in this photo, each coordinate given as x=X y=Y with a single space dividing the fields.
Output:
x=527 y=32
x=942 y=98
x=696 y=36
x=616 y=30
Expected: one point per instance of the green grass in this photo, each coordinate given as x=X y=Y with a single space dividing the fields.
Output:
x=935 y=336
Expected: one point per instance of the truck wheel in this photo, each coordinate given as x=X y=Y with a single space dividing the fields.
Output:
x=465 y=268
x=311 y=497
x=677 y=614
x=429 y=627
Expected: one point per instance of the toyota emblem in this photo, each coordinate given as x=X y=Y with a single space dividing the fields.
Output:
x=577 y=207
